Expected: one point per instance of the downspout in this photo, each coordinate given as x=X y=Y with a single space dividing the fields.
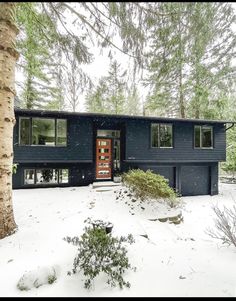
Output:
x=232 y=124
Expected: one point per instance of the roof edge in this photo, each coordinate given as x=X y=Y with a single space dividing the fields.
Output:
x=87 y=114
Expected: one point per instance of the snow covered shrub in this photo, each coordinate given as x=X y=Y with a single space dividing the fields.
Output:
x=101 y=252
x=148 y=185
x=37 y=278
x=225 y=224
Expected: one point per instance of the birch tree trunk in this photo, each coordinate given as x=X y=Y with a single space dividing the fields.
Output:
x=8 y=57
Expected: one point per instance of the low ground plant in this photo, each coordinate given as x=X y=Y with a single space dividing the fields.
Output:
x=100 y=252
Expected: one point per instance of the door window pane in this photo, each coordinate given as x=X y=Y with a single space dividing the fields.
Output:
x=103 y=150
x=104 y=172
x=43 y=131
x=104 y=158
x=103 y=143
x=24 y=131
x=103 y=164
x=61 y=132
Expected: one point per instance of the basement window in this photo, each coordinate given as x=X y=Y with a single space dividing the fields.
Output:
x=29 y=176
x=46 y=176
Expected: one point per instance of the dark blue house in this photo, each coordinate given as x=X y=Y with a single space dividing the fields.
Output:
x=71 y=149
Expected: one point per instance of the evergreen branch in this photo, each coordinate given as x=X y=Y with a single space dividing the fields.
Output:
x=96 y=31
x=62 y=23
x=112 y=21
x=69 y=33
x=95 y=18
x=150 y=11
x=46 y=12
x=92 y=13
x=40 y=23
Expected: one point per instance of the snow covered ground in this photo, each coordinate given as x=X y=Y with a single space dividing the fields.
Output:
x=175 y=260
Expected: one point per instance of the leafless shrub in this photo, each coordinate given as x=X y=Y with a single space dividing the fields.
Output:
x=225 y=223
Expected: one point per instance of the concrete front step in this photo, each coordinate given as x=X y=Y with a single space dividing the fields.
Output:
x=105 y=184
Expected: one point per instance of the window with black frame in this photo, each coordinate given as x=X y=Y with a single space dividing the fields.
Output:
x=161 y=135
x=42 y=131
x=46 y=176
x=203 y=136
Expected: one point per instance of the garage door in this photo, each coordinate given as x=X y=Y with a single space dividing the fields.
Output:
x=166 y=171
x=195 y=180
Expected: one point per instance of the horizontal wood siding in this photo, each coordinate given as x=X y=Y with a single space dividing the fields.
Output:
x=138 y=144
x=135 y=142
x=79 y=144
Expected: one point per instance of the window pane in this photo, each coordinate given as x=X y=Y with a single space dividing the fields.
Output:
x=103 y=143
x=63 y=176
x=46 y=176
x=61 y=131
x=104 y=158
x=103 y=150
x=197 y=130
x=165 y=135
x=206 y=137
x=108 y=133
x=28 y=176
x=43 y=131
x=116 y=154
x=154 y=134
x=24 y=131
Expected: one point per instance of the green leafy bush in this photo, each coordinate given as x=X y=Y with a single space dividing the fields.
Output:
x=148 y=185
x=100 y=252
x=14 y=168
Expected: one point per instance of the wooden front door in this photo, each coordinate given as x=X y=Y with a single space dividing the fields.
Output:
x=103 y=158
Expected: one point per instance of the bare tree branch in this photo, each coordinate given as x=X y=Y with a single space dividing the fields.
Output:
x=225 y=224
